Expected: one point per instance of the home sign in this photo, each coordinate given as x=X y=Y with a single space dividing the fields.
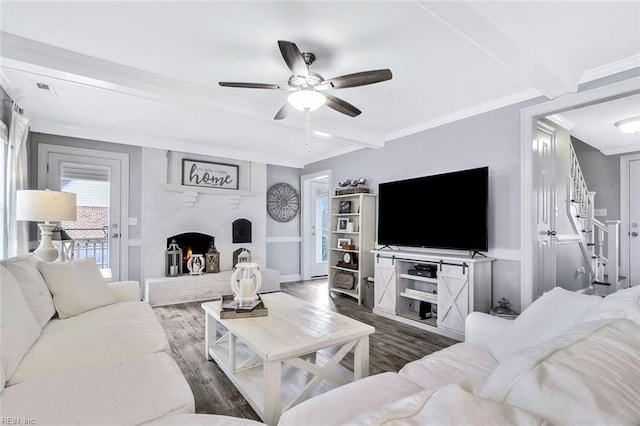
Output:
x=209 y=175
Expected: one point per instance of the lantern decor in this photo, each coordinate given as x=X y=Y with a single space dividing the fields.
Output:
x=195 y=264
x=241 y=255
x=212 y=258
x=173 y=260
x=63 y=243
x=246 y=280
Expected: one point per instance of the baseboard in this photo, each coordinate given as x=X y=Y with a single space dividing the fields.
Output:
x=290 y=278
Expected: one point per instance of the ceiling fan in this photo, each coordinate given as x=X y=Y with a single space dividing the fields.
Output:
x=308 y=89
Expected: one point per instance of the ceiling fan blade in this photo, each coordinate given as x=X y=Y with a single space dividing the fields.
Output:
x=293 y=58
x=283 y=112
x=250 y=85
x=342 y=106
x=360 y=78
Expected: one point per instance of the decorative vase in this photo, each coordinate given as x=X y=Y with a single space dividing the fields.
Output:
x=246 y=280
x=212 y=258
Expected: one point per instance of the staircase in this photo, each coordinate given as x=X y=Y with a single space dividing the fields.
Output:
x=591 y=234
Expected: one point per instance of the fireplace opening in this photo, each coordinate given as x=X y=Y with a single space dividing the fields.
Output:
x=191 y=243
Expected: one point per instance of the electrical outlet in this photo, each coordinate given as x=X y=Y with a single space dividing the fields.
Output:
x=599 y=212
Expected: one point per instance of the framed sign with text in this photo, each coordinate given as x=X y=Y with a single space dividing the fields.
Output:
x=209 y=175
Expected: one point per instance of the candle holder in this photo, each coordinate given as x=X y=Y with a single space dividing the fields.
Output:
x=246 y=280
x=173 y=260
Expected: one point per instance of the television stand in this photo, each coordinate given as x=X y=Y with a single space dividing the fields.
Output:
x=431 y=291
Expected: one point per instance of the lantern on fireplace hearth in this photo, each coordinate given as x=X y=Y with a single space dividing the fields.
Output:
x=212 y=258
x=173 y=260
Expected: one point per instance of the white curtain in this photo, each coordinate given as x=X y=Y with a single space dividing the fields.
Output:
x=16 y=179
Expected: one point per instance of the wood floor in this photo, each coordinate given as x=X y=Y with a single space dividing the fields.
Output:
x=392 y=346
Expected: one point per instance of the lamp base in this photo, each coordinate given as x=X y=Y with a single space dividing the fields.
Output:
x=46 y=251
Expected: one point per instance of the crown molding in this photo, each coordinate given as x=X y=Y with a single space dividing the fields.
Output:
x=127 y=138
x=612 y=68
x=561 y=121
x=465 y=113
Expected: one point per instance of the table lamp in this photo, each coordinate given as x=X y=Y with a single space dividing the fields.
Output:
x=45 y=206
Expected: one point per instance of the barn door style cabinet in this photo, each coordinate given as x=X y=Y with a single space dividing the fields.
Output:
x=434 y=292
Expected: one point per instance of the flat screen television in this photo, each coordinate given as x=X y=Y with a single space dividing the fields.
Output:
x=446 y=211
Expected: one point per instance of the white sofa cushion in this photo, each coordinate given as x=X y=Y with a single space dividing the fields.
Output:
x=76 y=342
x=77 y=286
x=25 y=270
x=552 y=313
x=18 y=326
x=621 y=304
x=461 y=363
x=129 y=391
x=586 y=375
x=105 y=314
x=349 y=401
x=448 y=405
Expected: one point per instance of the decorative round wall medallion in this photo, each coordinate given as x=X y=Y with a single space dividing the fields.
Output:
x=283 y=202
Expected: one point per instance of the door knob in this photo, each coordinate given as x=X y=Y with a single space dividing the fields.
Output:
x=114 y=235
x=634 y=234
x=552 y=233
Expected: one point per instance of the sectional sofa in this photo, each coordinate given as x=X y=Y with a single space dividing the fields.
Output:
x=568 y=359
x=76 y=350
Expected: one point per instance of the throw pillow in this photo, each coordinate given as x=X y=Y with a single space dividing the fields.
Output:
x=19 y=328
x=552 y=313
x=621 y=304
x=24 y=269
x=586 y=375
x=77 y=286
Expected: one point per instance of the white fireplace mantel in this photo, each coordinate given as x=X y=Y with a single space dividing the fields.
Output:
x=190 y=194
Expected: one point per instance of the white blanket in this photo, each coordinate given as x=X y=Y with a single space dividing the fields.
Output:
x=588 y=375
x=448 y=405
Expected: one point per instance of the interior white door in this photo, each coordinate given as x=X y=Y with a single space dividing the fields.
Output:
x=634 y=222
x=319 y=228
x=544 y=274
x=99 y=182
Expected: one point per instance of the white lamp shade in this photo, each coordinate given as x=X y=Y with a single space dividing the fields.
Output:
x=40 y=206
x=306 y=100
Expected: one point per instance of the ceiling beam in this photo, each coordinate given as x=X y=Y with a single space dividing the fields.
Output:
x=469 y=22
x=27 y=55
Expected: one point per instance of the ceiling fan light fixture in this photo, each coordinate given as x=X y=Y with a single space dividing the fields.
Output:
x=630 y=125
x=306 y=100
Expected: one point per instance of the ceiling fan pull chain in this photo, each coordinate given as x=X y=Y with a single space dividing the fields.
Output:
x=307 y=120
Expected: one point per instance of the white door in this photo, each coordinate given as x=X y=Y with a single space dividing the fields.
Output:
x=319 y=228
x=634 y=222
x=100 y=230
x=544 y=204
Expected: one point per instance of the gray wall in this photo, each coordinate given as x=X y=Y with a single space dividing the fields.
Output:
x=283 y=238
x=135 y=183
x=491 y=139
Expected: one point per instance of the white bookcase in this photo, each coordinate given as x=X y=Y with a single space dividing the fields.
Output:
x=460 y=285
x=361 y=233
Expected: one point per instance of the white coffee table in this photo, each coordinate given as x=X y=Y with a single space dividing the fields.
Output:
x=252 y=350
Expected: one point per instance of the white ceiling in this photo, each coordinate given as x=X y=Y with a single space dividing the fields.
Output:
x=146 y=73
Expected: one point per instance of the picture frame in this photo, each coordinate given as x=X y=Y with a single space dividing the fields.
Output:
x=344 y=241
x=344 y=207
x=206 y=174
x=342 y=224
